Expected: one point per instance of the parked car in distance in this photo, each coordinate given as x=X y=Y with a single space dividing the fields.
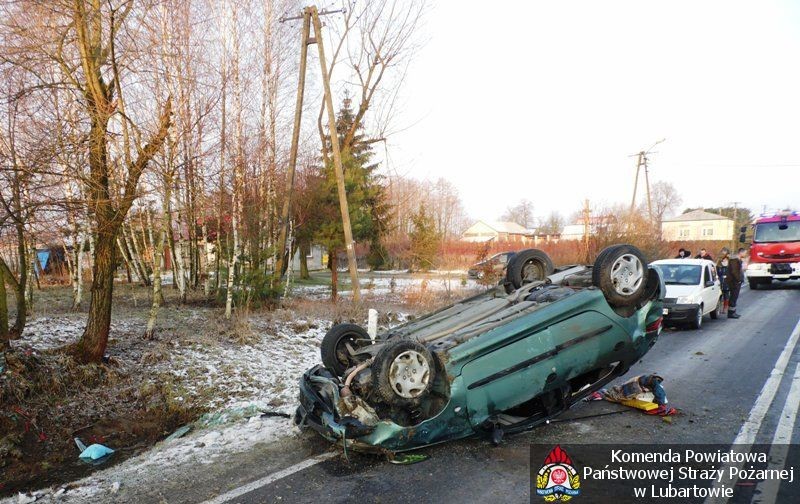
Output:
x=496 y=264
x=693 y=290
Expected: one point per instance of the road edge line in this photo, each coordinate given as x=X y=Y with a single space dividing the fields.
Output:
x=749 y=430
x=270 y=478
x=767 y=491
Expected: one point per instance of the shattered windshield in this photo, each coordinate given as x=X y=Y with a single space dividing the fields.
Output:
x=680 y=274
x=772 y=232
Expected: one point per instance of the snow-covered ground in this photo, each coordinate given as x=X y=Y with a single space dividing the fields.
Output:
x=44 y=333
x=235 y=382
x=206 y=446
x=388 y=285
x=262 y=374
x=234 y=375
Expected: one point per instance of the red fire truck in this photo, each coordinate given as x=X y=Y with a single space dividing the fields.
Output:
x=775 y=251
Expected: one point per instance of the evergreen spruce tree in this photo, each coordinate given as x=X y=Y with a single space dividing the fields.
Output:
x=424 y=240
x=366 y=197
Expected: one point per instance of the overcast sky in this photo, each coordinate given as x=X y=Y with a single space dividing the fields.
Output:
x=546 y=100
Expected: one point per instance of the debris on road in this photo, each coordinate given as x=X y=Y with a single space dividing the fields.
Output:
x=643 y=392
x=406 y=458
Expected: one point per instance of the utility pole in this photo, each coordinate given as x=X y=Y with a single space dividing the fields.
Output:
x=641 y=162
x=586 y=219
x=287 y=202
x=310 y=16
x=647 y=185
x=337 y=160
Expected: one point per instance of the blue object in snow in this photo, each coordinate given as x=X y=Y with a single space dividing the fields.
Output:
x=92 y=452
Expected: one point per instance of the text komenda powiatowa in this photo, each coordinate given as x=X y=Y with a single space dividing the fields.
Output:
x=728 y=466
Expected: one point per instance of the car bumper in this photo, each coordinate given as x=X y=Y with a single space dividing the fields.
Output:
x=674 y=312
x=774 y=271
x=321 y=409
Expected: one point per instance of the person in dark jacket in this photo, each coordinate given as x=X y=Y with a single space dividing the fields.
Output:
x=722 y=273
x=735 y=279
x=704 y=255
x=681 y=254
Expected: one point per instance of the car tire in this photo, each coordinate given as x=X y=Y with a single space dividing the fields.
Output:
x=403 y=371
x=603 y=253
x=652 y=289
x=528 y=266
x=333 y=349
x=715 y=312
x=697 y=322
x=621 y=273
x=753 y=283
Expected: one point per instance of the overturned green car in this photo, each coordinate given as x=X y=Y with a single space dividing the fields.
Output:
x=499 y=362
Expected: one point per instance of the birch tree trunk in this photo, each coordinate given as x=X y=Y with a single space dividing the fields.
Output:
x=164 y=227
x=3 y=313
x=136 y=258
x=157 y=249
x=238 y=167
x=180 y=265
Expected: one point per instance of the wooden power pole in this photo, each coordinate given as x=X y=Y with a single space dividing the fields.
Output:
x=283 y=254
x=310 y=16
x=641 y=162
x=586 y=227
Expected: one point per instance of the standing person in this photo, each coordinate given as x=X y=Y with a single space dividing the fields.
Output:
x=681 y=253
x=735 y=279
x=704 y=255
x=722 y=273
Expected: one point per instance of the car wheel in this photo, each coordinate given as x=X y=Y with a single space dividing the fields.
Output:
x=528 y=266
x=620 y=272
x=603 y=253
x=715 y=313
x=404 y=372
x=335 y=355
x=697 y=323
x=753 y=283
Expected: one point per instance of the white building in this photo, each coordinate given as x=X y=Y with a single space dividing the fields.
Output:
x=697 y=225
x=484 y=231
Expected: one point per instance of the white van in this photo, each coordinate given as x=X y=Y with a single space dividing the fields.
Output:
x=693 y=290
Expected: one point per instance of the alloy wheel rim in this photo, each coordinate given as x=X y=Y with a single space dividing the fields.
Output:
x=532 y=271
x=627 y=274
x=409 y=374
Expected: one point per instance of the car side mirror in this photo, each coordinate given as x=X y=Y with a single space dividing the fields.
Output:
x=743 y=229
x=709 y=283
x=742 y=238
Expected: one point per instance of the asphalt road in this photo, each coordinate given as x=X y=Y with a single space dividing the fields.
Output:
x=715 y=376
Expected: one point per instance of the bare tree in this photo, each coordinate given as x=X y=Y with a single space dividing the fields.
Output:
x=75 y=45
x=552 y=225
x=521 y=213
x=665 y=199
